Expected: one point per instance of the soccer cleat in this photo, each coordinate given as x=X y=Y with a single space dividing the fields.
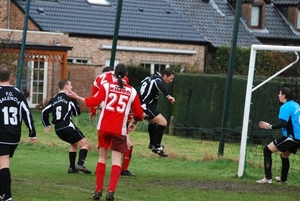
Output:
x=97 y=195
x=110 y=196
x=71 y=170
x=3 y=199
x=151 y=147
x=162 y=154
x=160 y=151
x=264 y=181
x=83 y=169
x=278 y=179
x=127 y=173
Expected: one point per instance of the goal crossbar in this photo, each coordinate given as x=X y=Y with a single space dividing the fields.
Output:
x=249 y=91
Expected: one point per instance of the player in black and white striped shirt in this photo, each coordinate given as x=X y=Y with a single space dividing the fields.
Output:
x=151 y=88
x=13 y=109
x=63 y=108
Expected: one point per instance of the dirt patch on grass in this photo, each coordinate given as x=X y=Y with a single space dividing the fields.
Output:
x=239 y=187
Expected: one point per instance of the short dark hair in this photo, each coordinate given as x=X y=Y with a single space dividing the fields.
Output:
x=62 y=83
x=167 y=71
x=4 y=74
x=107 y=69
x=288 y=92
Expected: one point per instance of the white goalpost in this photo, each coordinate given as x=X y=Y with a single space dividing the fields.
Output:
x=250 y=89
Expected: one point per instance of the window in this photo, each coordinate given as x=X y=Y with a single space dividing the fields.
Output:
x=99 y=2
x=154 y=67
x=79 y=60
x=34 y=81
x=255 y=16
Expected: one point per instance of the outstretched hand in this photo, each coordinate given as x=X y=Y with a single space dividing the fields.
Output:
x=72 y=94
x=264 y=125
x=171 y=99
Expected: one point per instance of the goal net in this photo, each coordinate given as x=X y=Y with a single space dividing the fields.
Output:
x=257 y=88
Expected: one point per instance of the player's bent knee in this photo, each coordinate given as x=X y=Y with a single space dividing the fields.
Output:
x=267 y=151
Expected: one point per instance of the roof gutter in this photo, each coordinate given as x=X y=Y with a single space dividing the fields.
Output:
x=147 y=49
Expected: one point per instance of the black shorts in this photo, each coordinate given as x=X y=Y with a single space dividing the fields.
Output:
x=284 y=144
x=150 y=111
x=70 y=133
x=8 y=149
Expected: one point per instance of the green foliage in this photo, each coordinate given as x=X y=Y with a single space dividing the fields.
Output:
x=222 y=57
x=267 y=62
x=136 y=75
x=186 y=68
x=200 y=102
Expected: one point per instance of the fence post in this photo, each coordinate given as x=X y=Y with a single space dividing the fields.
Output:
x=171 y=126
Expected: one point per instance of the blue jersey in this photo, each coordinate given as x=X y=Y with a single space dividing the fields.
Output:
x=290 y=112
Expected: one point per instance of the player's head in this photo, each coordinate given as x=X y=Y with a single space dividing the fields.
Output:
x=120 y=73
x=4 y=74
x=167 y=75
x=107 y=69
x=65 y=85
x=287 y=92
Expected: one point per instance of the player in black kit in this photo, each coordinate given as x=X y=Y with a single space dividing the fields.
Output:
x=14 y=108
x=151 y=87
x=62 y=108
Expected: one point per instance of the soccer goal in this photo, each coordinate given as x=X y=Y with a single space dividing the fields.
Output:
x=250 y=89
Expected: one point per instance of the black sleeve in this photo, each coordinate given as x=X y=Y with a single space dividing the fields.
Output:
x=280 y=124
x=27 y=116
x=76 y=109
x=161 y=88
x=45 y=114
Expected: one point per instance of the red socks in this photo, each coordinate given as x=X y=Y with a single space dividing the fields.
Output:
x=114 y=178
x=100 y=173
x=126 y=159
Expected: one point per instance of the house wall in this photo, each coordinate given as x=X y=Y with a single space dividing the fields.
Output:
x=92 y=48
x=16 y=19
x=293 y=15
x=82 y=75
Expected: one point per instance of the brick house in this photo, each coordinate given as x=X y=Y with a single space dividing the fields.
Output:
x=73 y=39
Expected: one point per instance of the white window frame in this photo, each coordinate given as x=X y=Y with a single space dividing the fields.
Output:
x=30 y=66
x=298 y=20
x=77 y=60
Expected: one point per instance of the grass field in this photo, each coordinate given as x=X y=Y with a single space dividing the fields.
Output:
x=39 y=172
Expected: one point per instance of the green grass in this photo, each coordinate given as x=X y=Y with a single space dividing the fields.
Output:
x=39 y=172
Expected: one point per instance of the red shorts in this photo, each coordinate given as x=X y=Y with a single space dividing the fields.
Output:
x=112 y=141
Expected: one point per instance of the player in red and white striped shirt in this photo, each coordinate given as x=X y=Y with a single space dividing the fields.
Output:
x=108 y=76
x=119 y=99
